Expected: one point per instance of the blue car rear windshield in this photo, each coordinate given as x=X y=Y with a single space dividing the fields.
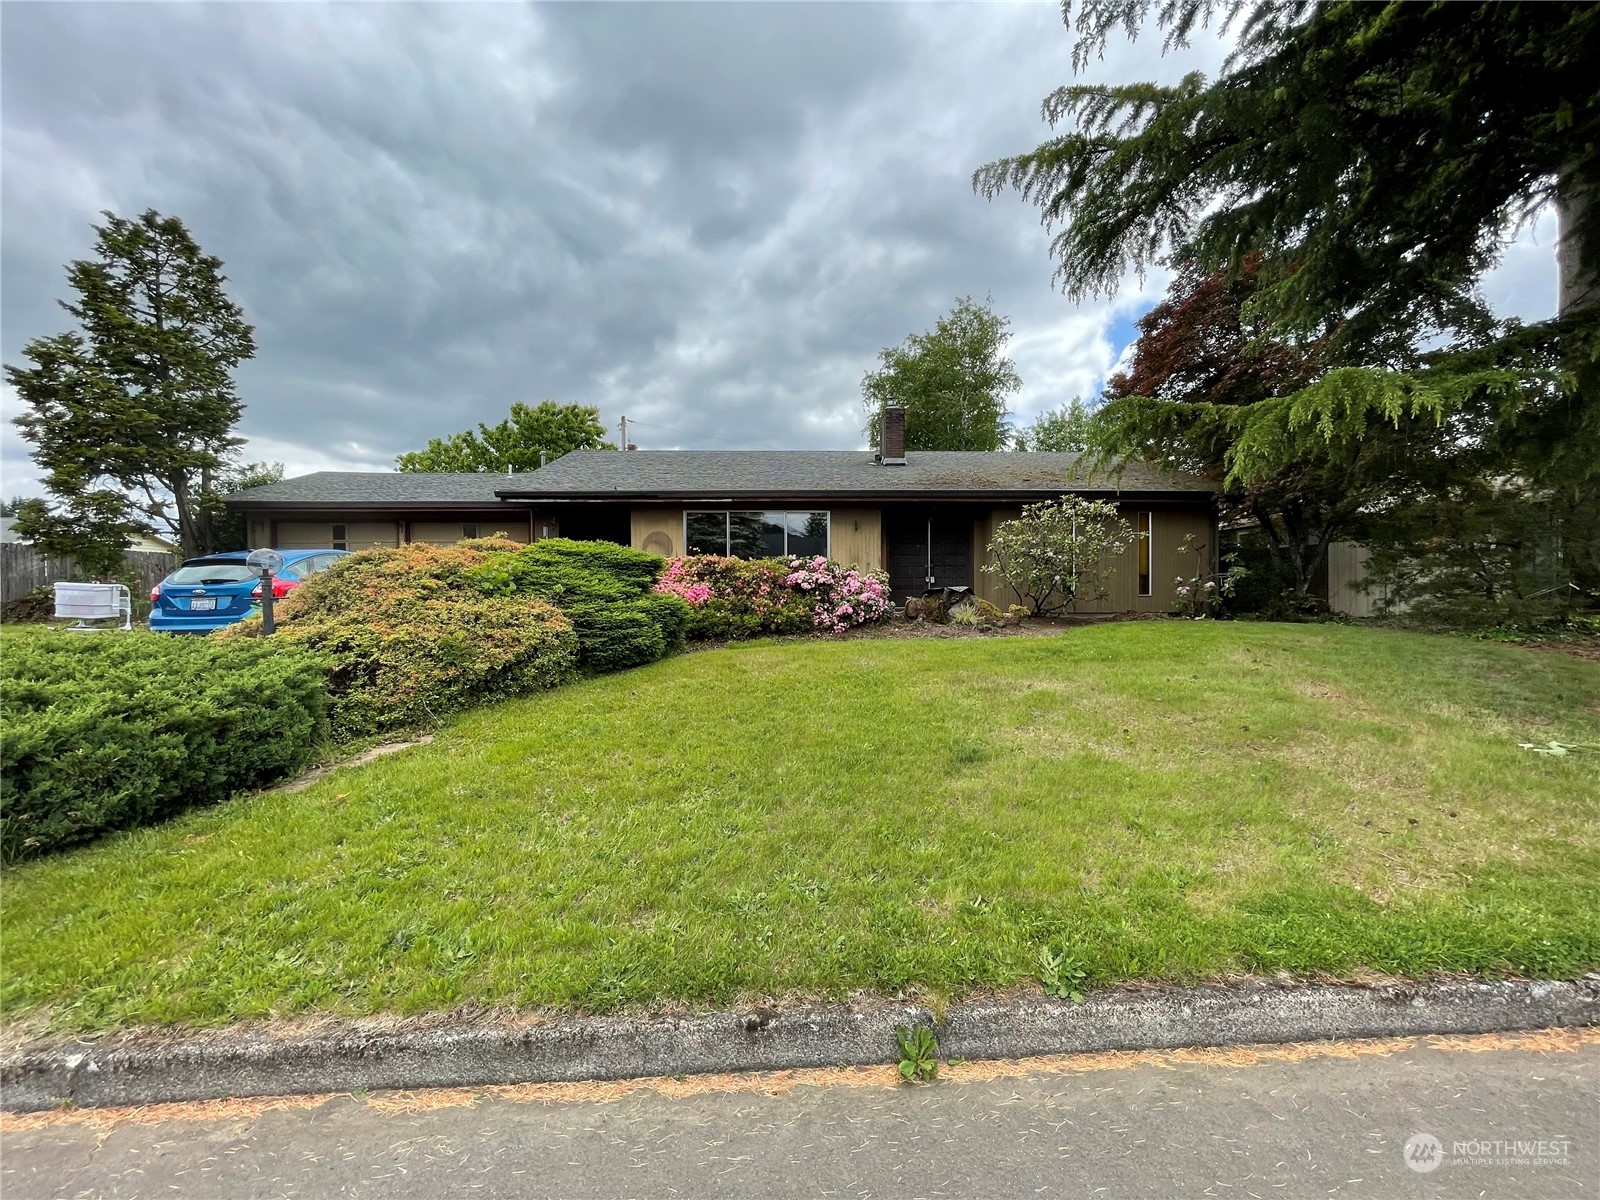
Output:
x=211 y=572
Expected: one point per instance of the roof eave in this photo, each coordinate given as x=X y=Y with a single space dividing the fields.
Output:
x=722 y=495
x=365 y=505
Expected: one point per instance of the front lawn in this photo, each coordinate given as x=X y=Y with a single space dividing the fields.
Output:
x=1154 y=799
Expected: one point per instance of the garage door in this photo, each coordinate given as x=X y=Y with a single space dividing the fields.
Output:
x=319 y=535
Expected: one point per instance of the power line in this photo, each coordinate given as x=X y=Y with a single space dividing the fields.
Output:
x=687 y=434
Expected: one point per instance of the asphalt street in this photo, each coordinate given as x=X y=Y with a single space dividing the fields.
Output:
x=1512 y=1116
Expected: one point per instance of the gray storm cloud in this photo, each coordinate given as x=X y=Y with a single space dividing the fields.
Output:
x=708 y=217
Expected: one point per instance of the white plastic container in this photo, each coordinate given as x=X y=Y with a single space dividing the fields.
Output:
x=93 y=602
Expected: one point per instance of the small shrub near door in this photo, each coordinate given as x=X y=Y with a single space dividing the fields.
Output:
x=110 y=731
x=410 y=637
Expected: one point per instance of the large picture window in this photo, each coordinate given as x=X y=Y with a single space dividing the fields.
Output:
x=756 y=534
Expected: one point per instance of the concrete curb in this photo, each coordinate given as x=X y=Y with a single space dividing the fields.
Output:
x=342 y=1058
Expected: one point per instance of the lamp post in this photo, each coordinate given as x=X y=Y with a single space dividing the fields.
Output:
x=267 y=563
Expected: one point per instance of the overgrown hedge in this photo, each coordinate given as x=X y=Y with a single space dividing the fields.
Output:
x=112 y=730
x=419 y=631
x=409 y=637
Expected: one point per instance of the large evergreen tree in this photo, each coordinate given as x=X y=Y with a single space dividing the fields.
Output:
x=1378 y=154
x=953 y=381
x=528 y=437
x=131 y=415
x=1369 y=162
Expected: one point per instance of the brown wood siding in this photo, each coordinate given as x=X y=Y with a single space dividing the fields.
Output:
x=856 y=537
x=316 y=535
x=989 y=586
x=662 y=522
x=1168 y=527
x=448 y=533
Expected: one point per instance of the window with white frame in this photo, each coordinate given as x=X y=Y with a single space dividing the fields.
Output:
x=756 y=534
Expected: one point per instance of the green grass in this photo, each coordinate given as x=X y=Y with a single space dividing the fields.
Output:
x=1155 y=800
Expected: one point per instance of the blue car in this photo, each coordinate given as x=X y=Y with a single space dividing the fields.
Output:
x=207 y=593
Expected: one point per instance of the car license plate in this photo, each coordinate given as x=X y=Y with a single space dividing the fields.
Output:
x=203 y=604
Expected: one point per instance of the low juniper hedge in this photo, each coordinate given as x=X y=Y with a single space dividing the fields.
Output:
x=409 y=635
x=108 y=731
x=419 y=631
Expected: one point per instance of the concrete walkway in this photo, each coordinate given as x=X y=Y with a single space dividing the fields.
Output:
x=1331 y=1119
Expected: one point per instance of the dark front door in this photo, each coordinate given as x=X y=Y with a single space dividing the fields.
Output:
x=928 y=550
x=597 y=523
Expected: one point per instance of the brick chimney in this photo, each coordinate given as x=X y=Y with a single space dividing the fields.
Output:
x=892 y=437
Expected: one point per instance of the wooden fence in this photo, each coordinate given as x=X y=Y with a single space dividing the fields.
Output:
x=22 y=568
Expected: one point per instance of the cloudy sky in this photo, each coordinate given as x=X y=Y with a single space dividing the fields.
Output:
x=706 y=217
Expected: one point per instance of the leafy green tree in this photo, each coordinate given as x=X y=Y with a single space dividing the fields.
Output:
x=953 y=382
x=229 y=529
x=522 y=442
x=1063 y=429
x=1060 y=553
x=13 y=506
x=131 y=416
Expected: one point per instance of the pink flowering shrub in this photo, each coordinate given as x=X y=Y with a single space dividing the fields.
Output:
x=740 y=598
x=844 y=596
x=681 y=579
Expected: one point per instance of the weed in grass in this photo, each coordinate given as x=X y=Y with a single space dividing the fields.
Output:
x=919 y=1053
x=1062 y=975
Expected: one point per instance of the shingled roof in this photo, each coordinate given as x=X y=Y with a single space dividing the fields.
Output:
x=379 y=489
x=730 y=475
x=775 y=474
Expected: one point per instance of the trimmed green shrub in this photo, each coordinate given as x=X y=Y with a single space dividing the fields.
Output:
x=612 y=637
x=113 y=730
x=566 y=572
x=604 y=588
x=410 y=638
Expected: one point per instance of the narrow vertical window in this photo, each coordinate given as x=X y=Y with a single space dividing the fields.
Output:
x=1142 y=524
x=340 y=542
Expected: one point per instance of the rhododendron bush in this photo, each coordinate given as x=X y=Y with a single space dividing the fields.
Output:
x=739 y=598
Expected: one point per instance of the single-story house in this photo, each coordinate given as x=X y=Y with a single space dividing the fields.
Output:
x=925 y=519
